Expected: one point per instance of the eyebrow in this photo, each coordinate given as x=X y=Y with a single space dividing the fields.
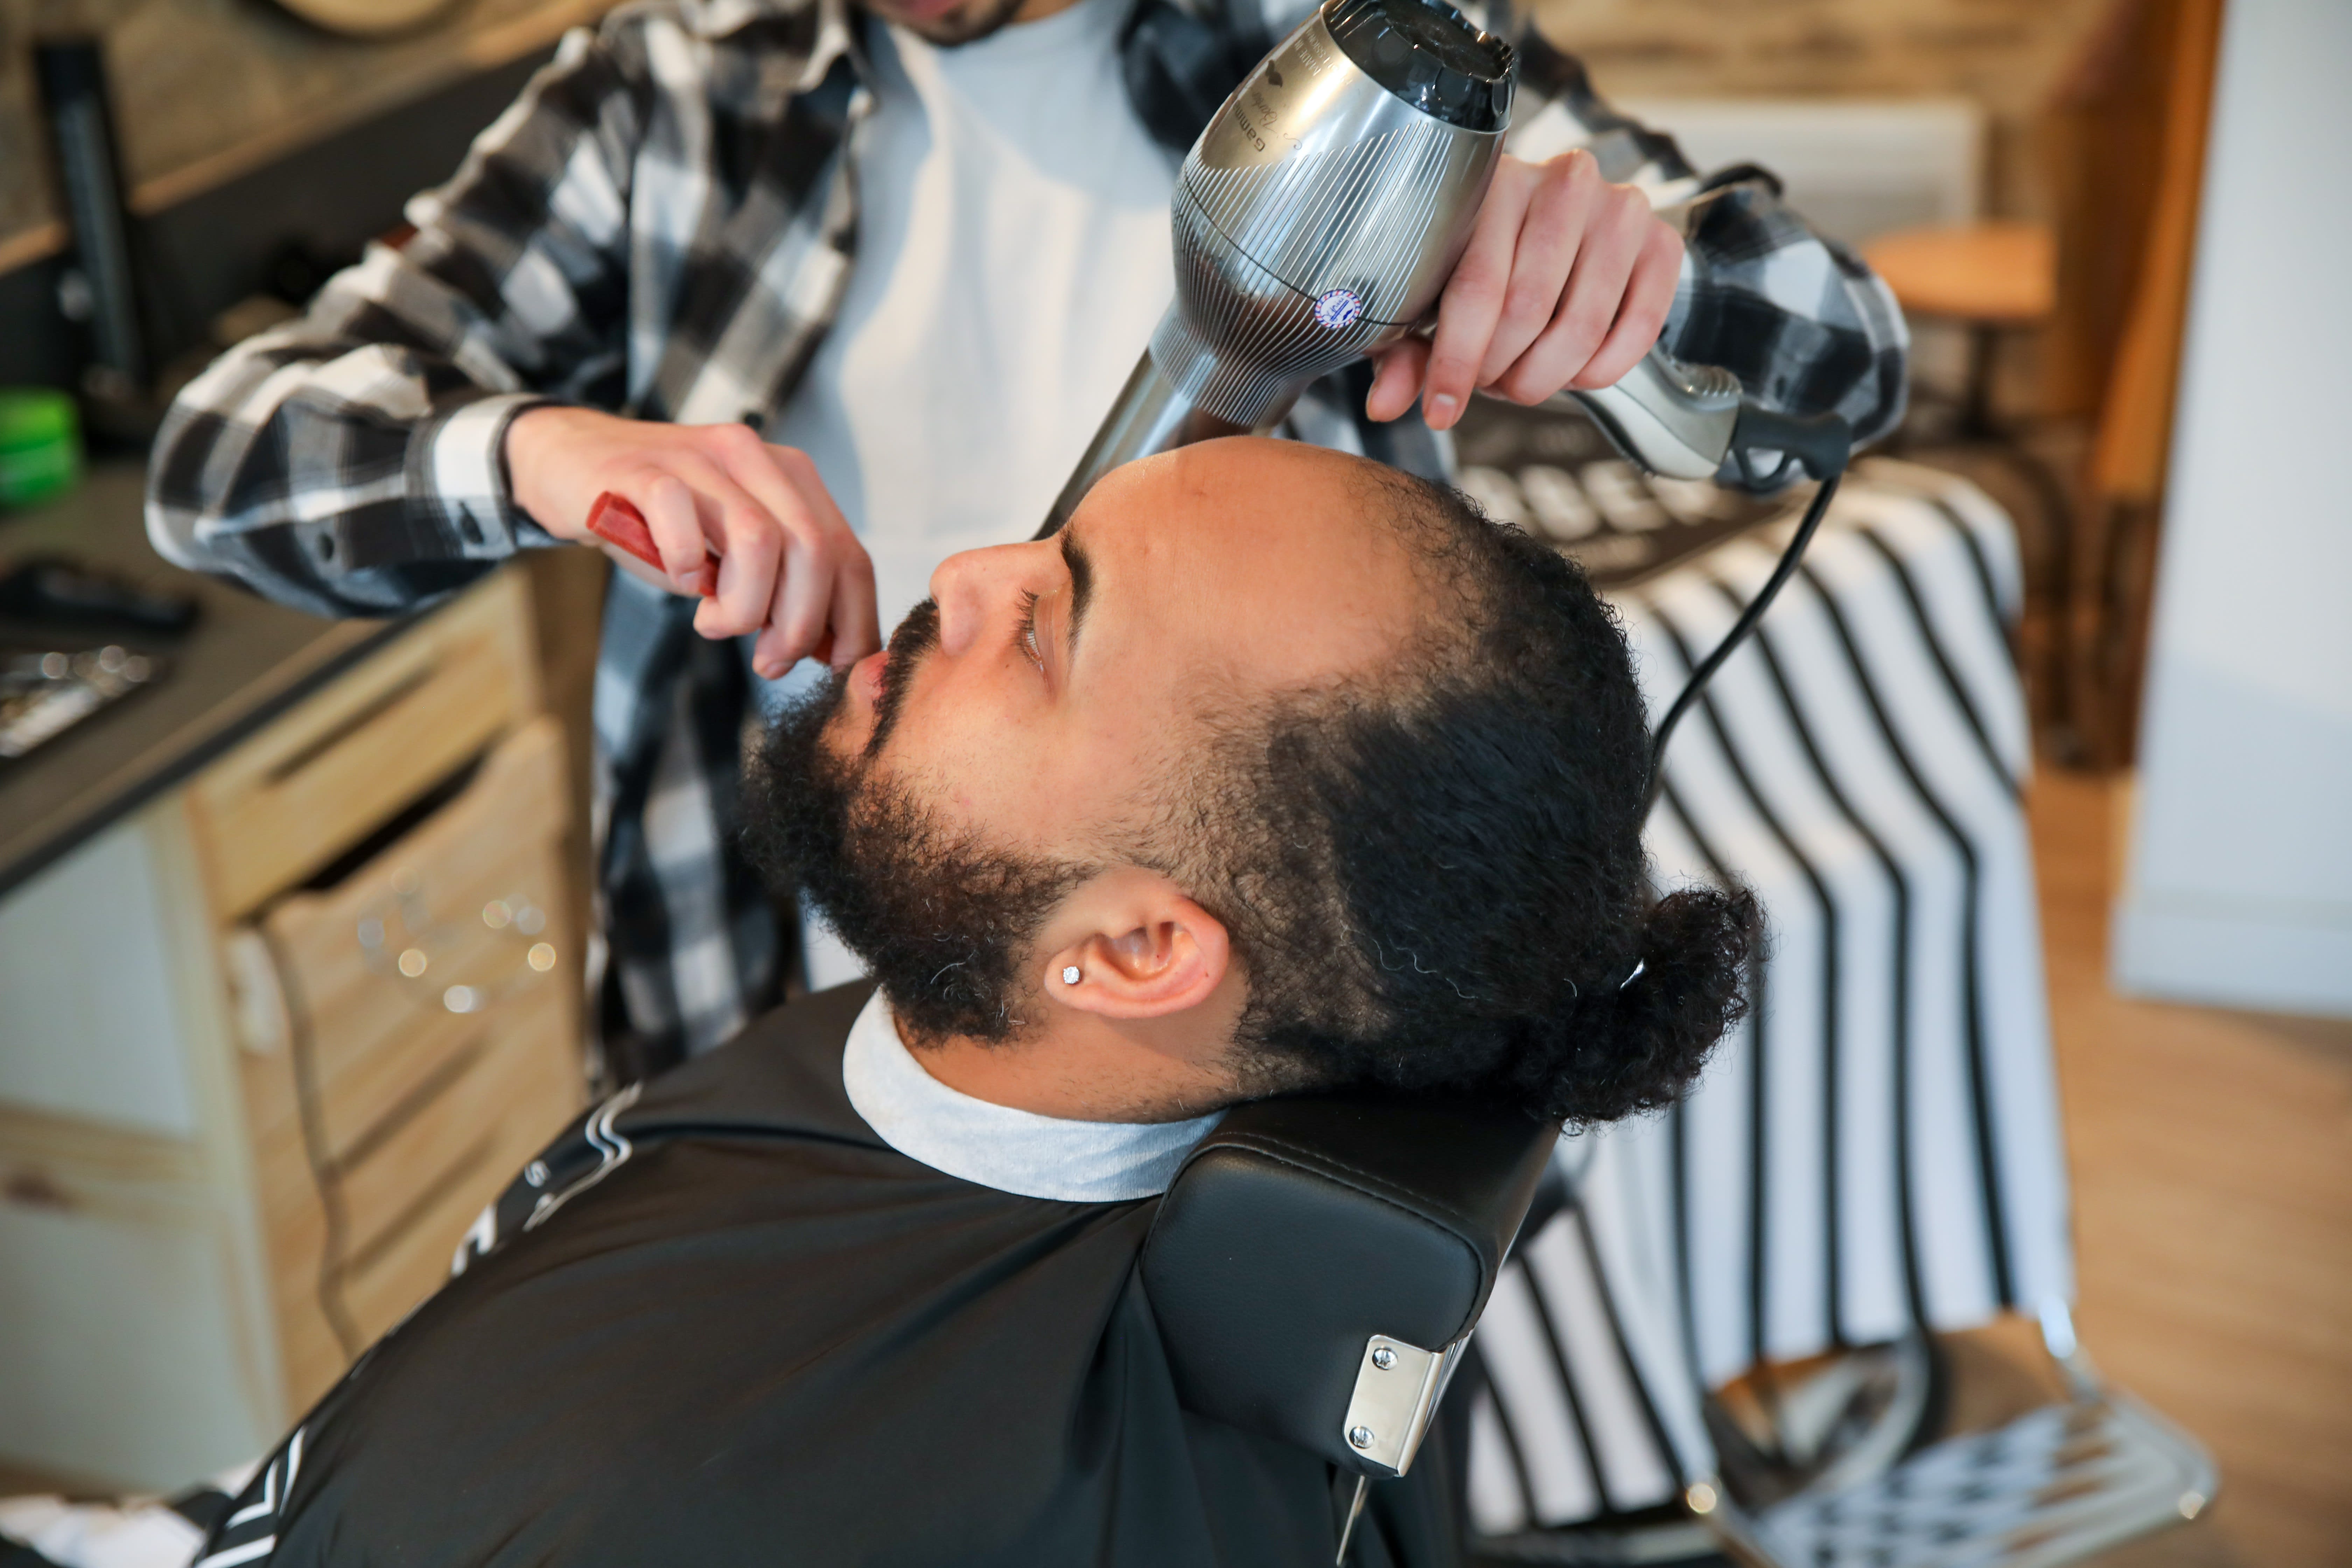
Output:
x=1082 y=585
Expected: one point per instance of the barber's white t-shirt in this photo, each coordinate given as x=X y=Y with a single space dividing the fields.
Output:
x=1013 y=257
x=1013 y=260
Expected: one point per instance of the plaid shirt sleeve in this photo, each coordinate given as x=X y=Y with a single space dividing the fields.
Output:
x=1803 y=323
x=349 y=462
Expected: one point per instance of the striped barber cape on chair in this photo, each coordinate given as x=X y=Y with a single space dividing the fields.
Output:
x=1876 y=1150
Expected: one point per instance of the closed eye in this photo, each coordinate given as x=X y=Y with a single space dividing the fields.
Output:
x=1026 y=631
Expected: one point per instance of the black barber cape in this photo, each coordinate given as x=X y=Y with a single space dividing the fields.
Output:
x=721 y=1321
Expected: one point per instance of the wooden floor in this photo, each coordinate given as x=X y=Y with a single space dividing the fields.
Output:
x=2212 y=1164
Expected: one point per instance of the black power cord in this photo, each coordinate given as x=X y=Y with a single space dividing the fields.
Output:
x=1821 y=445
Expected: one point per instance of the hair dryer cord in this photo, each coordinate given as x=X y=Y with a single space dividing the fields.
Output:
x=1819 y=445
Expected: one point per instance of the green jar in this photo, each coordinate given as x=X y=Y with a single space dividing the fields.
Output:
x=40 y=445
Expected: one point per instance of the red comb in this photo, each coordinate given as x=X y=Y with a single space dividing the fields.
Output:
x=617 y=522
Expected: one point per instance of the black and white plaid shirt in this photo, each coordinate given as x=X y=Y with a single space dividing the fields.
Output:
x=662 y=227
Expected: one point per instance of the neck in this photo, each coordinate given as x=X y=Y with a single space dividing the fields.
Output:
x=1082 y=1067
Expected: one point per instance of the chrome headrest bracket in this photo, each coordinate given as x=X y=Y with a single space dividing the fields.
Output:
x=1397 y=1389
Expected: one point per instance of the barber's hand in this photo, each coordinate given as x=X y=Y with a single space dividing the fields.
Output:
x=789 y=566
x=1567 y=282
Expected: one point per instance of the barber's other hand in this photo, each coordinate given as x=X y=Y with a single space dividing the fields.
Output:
x=789 y=567
x=1567 y=282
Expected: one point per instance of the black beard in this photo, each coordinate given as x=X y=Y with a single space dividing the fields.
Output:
x=943 y=919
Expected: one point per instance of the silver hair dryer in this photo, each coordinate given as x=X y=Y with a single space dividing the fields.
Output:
x=1317 y=218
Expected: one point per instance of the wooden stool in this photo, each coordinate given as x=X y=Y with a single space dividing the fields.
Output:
x=1990 y=276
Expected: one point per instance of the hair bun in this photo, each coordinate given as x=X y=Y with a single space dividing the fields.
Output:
x=1639 y=1045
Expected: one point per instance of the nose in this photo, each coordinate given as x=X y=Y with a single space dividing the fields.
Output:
x=975 y=585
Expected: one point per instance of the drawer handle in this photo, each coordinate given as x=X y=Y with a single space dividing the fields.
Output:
x=403 y=941
x=350 y=723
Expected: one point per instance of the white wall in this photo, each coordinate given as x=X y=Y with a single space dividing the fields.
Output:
x=2240 y=883
x=1855 y=167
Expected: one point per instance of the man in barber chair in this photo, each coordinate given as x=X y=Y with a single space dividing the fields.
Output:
x=837 y=289
x=1277 y=769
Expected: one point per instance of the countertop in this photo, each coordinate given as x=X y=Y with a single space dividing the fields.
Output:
x=246 y=661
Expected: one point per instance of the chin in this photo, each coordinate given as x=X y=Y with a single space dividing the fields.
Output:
x=947 y=23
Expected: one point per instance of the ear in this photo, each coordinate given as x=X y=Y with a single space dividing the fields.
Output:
x=1151 y=953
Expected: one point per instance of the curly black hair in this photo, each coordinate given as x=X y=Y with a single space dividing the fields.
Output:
x=1435 y=878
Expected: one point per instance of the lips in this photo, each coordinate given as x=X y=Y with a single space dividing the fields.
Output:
x=865 y=676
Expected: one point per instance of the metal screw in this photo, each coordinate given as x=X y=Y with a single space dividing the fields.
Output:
x=1384 y=1358
x=1361 y=1436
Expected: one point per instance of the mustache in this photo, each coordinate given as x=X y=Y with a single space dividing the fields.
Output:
x=913 y=642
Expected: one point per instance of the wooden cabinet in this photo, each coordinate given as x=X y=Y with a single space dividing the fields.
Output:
x=268 y=1046
x=418 y=1050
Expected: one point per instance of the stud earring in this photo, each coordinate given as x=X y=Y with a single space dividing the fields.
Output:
x=1070 y=974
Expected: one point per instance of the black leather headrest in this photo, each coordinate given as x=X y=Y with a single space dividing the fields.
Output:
x=1314 y=1249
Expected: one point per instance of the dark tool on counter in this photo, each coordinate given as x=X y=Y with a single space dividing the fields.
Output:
x=43 y=693
x=101 y=291
x=58 y=595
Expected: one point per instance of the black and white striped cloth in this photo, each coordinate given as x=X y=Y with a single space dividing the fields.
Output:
x=1878 y=1145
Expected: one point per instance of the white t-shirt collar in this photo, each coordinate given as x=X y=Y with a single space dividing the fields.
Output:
x=997 y=1146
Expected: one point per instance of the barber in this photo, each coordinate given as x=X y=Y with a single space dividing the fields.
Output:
x=834 y=291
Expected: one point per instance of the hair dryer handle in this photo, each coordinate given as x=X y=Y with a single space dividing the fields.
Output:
x=1668 y=417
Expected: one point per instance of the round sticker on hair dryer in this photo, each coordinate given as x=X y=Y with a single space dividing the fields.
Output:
x=1339 y=309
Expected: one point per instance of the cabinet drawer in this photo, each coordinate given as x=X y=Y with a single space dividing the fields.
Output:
x=391 y=970
x=408 y=1201
x=425 y=1044
x=286 y=803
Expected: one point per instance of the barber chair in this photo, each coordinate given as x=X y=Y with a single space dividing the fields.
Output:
x=1320 y=1262
x=2055 y=1485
